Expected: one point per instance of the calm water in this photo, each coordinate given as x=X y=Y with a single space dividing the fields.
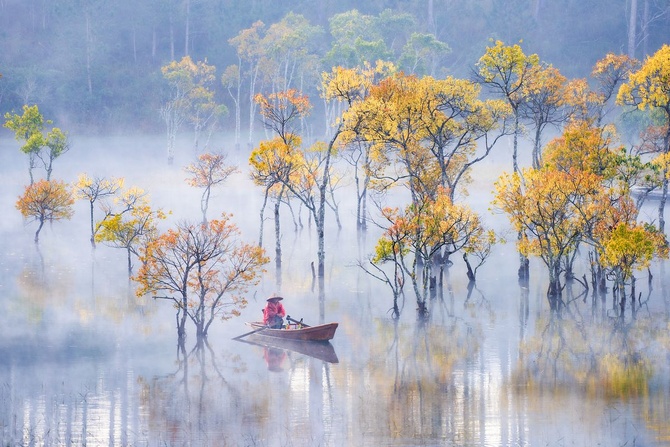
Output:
x=84 y=362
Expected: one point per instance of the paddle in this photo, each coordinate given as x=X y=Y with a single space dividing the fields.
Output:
x=288 y=318
x=251 y=332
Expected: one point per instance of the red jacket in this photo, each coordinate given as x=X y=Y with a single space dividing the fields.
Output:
x=272 y=309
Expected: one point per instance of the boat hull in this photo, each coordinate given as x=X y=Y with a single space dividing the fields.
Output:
x=322 y=332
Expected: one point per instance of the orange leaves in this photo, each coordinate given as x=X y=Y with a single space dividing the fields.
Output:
x=209 y=170
x=585 y=148
x=431 y=125
x=427 y=227
x=280 y=110
x=46 y=200
x=197 y=265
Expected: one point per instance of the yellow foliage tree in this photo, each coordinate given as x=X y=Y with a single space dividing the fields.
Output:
x=422 y=230
x=649 y=88
x=129 y=224
x=505 y=69
x=551 y=211
x=93 y=189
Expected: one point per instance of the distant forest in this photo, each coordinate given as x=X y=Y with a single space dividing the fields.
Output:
x=95 y=65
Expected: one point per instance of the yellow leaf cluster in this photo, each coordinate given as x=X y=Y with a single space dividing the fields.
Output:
x=649 y=87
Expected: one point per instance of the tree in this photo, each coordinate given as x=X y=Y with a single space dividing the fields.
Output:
x=505 y=70
x=356 y=40
x=130 y=224
x=46 y=200
x=204 y=269
x=290 y=60
x=649 y=88
x=29 y=129
x=271 y=165
x=422 y=54
x=426 y=132
x=609 y=73
x=421 y=231
x=275 y=161
x=551 y=212
x=93 y=189
x=189 y=97
x=232 y=81
x=208 y=171
x=250 y=52
x=544 y=103
x=631 y=246
x=306 y=180
x=342 y=87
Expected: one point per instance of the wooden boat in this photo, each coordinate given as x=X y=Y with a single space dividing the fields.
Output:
x=322 y=332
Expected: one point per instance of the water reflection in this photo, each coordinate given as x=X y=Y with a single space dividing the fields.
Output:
x=85 y=362
x=319 y=350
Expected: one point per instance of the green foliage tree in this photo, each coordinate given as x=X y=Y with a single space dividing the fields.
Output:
x=29 y=129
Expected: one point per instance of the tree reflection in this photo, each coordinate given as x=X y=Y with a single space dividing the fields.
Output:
x=413 y=375
x=195 y=401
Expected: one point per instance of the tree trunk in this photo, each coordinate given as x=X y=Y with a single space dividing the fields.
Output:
x=320 y=217
x=39 y=228
x=265 y=202
x=554 y=289
x=278 y=229
x=187 y=27
x=130 y=264
x=632 y=29
x=661 y=203
x=470 y=272
x=92 y=228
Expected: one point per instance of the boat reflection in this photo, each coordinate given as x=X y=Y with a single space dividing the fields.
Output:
x=274 y=358
x=318 y=350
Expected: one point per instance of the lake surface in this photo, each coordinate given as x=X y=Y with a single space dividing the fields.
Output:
x=85 y=362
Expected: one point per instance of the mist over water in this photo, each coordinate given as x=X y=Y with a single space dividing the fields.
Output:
x=85 y=362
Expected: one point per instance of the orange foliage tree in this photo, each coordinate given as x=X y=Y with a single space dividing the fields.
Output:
x=46 y=200
x=206 y=172
x=204 y=269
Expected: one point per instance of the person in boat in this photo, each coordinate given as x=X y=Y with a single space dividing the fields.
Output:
x=274 y=313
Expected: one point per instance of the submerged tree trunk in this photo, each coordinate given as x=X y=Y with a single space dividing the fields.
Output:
x=554 y=289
